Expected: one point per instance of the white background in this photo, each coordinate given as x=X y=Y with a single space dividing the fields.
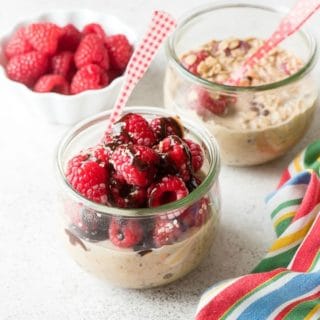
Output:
x=38 y=281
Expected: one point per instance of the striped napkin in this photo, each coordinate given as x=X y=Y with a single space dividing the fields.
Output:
x=286 y=283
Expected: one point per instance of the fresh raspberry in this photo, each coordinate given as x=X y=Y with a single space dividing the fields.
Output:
x=43 y=36
x=166 y=126
x=201 y=100
x=114 y=74
x=125 y=233
x=63 y=64
x=91 y=50
x=196 y=154
x=138 y=129
x=177 y=154
x=96 y=29
x=200 y=56
x=196 y=215
x=120 y=51
x=166 y=232
x=115 y=139
x=70 y=38
x=202 y=212
x=88 y=78
x=137 y=164
x=17 y=44
x=169 y=189
x=123 y=195
x=88 y=172
x=90 y=225
x=52 y=83
x=28 y=67
x=99 y=155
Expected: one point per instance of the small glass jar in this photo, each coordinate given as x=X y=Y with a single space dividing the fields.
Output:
x=287 y=105
x=153 y=262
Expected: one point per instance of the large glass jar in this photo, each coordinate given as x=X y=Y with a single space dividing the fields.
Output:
x=264 y=121
x=194 y=219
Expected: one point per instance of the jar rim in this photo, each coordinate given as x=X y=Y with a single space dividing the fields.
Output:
x=198 y=11
x=196 y=129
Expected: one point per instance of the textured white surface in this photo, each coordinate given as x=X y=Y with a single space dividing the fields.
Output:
x=37 y=279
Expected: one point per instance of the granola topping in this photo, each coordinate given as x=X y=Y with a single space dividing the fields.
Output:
x=216 y=61
x=226 y=56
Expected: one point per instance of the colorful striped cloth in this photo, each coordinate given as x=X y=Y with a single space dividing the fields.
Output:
x=286 y=283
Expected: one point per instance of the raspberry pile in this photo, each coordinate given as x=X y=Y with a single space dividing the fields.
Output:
x=140 y=164
x=65 y=60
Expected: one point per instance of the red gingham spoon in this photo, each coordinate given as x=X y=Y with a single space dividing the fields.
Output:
x=162 y=24
x=292 y=22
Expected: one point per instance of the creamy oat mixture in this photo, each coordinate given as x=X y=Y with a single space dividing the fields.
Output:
x=222 y=58
x=251 y=127
x=219 y=59
x=148 y=268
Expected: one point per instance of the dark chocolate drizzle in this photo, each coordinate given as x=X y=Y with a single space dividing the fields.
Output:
x=74 y=240
x=166 y=122
x=144 y=252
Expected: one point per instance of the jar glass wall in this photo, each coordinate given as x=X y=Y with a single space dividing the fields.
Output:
x=264 y=121
x=156 y=260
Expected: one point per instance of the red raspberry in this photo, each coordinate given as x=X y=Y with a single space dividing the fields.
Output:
x=17 y=44
x=70 y=38
x=28 y=67
x=201 y=100
x=63 y=64
x=99 y=155
x=113 y=140
x=200 y=56
x=52 y=83
x=90 y=225
x=125 y=233
x=166 y=232
x=166 y=126
x=196 y=154
x=88 y=172
x=114 y=74
x=88 y=78
x=177 y=154
x=169 y=189
x=137 y=164
x=120 y=51
x=138 y=129
x=123 y=195
x=196 y=215
x=91 y=50
x=43 y=36
x=202 y=212
x=96 y=29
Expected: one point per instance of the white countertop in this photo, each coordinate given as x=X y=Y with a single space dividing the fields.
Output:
x=38 y=280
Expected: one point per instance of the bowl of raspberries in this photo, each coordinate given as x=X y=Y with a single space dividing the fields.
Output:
x=66 y=66
x=139 y=205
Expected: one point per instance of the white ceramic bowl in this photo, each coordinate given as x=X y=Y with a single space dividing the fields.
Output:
x=58 y=108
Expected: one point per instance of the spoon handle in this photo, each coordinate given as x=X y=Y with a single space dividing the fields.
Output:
x=292 y=22
x=162 y=24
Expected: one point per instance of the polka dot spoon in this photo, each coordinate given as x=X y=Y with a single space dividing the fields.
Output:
x=162 y=24
x=292 y=22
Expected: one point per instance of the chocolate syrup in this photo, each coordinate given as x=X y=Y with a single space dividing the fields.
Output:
x=74 y=240
x=144 y=252
x=167 y=122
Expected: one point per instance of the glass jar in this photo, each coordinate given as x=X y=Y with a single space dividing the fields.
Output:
x=156 y=260
x=245 y=135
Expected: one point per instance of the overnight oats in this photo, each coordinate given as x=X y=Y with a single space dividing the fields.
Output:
x=269 y=110
x=139 y=206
